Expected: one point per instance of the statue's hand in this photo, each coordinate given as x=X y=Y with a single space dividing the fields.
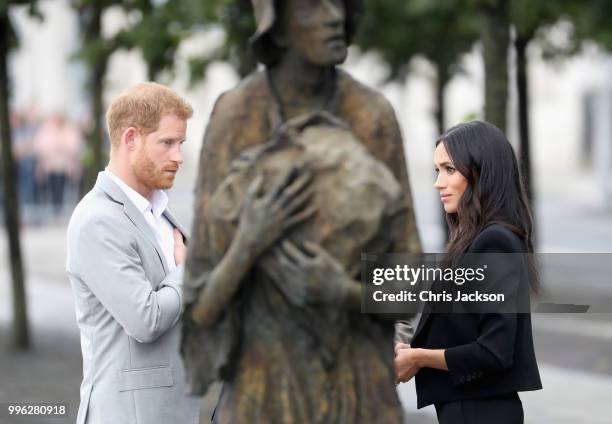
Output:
x=266 y=216
x=307 y=274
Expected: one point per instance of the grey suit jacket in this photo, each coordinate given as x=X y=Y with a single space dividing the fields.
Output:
x=127 y=308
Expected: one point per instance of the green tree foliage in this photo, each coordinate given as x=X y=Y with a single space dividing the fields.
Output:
x=236 y=18
x=160 y=28
x=163 y=25
x=592 y=21
x=442 y=31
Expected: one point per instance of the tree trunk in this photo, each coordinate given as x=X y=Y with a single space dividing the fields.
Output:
x=97 y=157
x=522 y=85
x=21 y=334
x=97 y=136
x=495 y=40
x=442 y=78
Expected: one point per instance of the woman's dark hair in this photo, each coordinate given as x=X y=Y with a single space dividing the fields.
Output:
x=494 y=194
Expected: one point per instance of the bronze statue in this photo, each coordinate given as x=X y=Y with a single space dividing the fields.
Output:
x=302 y=168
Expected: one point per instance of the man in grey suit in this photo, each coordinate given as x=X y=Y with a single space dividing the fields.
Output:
x=125 y=263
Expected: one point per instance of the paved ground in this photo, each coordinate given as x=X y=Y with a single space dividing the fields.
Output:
x=574 y=351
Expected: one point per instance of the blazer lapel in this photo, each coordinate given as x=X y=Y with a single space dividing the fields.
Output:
x=175 y=223
x=114 y=191
x=424 y=317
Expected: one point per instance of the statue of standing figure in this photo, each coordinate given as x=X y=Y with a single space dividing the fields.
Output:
x=302 y=168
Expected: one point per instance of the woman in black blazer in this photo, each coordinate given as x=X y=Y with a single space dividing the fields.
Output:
x=471 y=366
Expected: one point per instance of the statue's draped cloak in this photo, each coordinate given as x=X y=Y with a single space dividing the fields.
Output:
x=285 y=363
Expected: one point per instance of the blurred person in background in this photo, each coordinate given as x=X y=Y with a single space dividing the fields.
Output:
x=57 y=145
x=24 y=126
x=125 y=262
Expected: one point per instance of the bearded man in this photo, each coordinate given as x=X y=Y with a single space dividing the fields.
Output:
x=126 y=256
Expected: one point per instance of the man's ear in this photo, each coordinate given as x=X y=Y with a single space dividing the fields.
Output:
x=128 y=137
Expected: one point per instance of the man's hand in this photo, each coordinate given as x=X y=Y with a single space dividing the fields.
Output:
x=405 y=362
x=266 y=216
x=180 y=250
x=307 y=274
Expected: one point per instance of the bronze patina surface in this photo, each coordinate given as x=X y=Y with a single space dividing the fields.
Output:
x=276 y=316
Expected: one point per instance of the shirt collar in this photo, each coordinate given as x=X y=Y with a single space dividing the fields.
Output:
x=159 y=202
x=159 y=198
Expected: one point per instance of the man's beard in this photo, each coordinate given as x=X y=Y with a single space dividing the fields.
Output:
x=155 y=179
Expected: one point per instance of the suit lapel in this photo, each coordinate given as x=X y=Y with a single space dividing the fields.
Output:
x=175 y=223
x=424 y=317
x=115 y=192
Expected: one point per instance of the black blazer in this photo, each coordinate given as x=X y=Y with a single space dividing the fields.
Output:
x=487 y=354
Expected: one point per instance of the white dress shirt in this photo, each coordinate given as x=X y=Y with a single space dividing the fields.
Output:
x=153 y=213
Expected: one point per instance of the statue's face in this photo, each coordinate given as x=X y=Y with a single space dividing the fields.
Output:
x=314 y=30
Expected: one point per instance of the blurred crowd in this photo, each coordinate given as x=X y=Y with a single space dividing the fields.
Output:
x=48 y=153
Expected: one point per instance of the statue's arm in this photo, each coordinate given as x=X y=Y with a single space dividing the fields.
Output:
x=223 y=282
x=207 y=280
x=308 y=274
x=263 y=219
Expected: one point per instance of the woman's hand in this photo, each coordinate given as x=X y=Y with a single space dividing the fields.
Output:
x=409 y=361
x=400 y=346
x=406 y=365
x=307 y=274
x=266 y=216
